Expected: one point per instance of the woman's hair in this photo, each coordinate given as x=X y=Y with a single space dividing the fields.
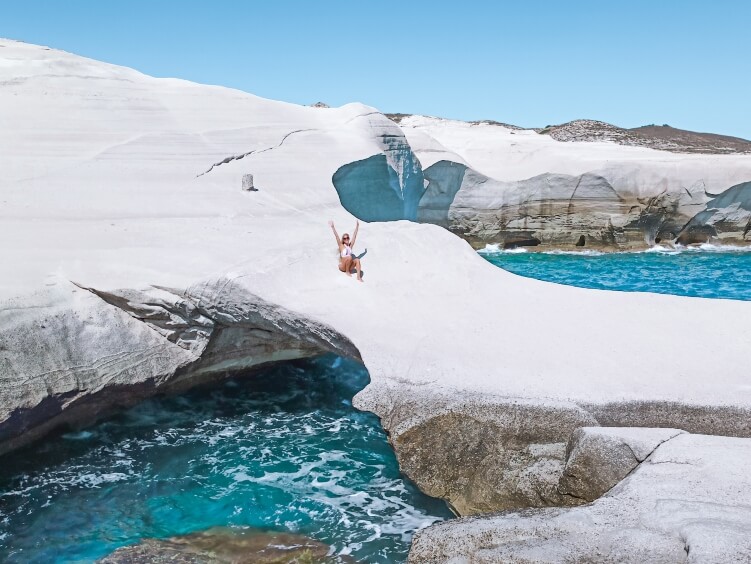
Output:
x=345 y=235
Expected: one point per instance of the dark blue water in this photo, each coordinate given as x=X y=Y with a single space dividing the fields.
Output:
x=282 y=450
x=708 y=272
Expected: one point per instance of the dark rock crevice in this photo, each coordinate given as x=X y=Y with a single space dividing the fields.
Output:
x=253 y=152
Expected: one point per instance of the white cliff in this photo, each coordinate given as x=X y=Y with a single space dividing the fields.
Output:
x=519 y=187
x=135 y=262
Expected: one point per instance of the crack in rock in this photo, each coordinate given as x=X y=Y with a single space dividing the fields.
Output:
x=254 y=151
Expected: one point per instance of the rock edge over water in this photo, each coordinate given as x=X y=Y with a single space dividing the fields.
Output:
x=688 y=501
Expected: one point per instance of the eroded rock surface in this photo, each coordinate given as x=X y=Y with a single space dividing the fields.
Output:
x=485 y=453
x=481 y=453
x=690 y=501
x=223 y=545
x=597 y=458
x=71 y=355
x=383 y=187
x=558 y=210
x=727 y=217
x=492 y=183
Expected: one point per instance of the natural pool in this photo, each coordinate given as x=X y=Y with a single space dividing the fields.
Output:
x=282 y=449
x=707 y=271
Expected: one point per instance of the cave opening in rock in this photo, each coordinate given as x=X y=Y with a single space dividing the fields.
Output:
x=521 y=242
x=277 y=448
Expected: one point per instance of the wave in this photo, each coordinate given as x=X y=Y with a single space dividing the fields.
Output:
x=703 y=248
x=585 y=253
x=495 y=249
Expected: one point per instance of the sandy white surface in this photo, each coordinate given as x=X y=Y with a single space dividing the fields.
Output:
x=100 y=186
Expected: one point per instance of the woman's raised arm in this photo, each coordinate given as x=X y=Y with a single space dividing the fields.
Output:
x=354 y=233
x=338 y=240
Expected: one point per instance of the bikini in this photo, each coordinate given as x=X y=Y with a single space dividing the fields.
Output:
x=347 y=251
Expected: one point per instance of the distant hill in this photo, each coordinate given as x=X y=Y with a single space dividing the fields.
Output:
x=662 y=137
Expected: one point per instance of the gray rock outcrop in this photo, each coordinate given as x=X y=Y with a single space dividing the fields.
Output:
x=689 y=501
x=485 y=453
x=223 y=545
x=71 y=355
x=549 y=210
x=597 y=458
x=561 y=211
x=726 y=218
x=492 y=183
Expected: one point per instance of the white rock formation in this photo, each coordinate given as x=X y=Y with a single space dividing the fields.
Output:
x=690 y=501
x=597 y=458
x=523 y=187
x=127 y=185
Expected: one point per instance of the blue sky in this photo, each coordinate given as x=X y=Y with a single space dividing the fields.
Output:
x=531 y=63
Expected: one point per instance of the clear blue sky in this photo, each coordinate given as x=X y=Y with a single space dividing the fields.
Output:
x=535 y=62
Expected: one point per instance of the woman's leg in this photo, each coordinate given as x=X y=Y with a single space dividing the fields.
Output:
x=356 y=263
x=346 y=266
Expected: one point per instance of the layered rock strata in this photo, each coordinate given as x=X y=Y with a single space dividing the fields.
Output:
x=74 y=354
x=491 y=183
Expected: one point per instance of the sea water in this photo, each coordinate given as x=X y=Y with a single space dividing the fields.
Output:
x=282 y=449
x=707 y=271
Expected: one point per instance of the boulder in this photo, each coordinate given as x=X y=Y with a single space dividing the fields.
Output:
x=597 y=458
x=224 y=545
x=690 y=501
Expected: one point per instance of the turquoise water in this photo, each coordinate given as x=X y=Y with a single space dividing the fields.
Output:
x=708 y=272
x=282 y=450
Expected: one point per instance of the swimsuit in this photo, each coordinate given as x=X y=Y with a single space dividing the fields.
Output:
x=347 y=251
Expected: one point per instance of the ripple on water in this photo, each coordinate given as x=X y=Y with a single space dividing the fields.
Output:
x=283 y=449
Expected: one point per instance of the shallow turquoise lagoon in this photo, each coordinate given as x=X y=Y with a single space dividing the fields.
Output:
x=708 y=272
x=283 y=450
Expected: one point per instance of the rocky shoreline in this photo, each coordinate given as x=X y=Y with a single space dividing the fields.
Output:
x=669 y=497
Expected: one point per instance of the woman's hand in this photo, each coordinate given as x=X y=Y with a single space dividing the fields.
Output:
x=331 y=224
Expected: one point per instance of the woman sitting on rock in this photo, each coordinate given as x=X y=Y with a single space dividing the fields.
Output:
x=347 y=261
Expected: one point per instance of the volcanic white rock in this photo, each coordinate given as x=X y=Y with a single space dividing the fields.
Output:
x=129 y=186
x=690 y=501
x=502 y=184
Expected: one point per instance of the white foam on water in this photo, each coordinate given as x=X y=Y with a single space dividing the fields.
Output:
x=495 y=249
x=490 y=248
x=96 y=480
x=661 y=250
x=582 y=253
x=79 y=436
x=703 y=248
x=712 y=248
